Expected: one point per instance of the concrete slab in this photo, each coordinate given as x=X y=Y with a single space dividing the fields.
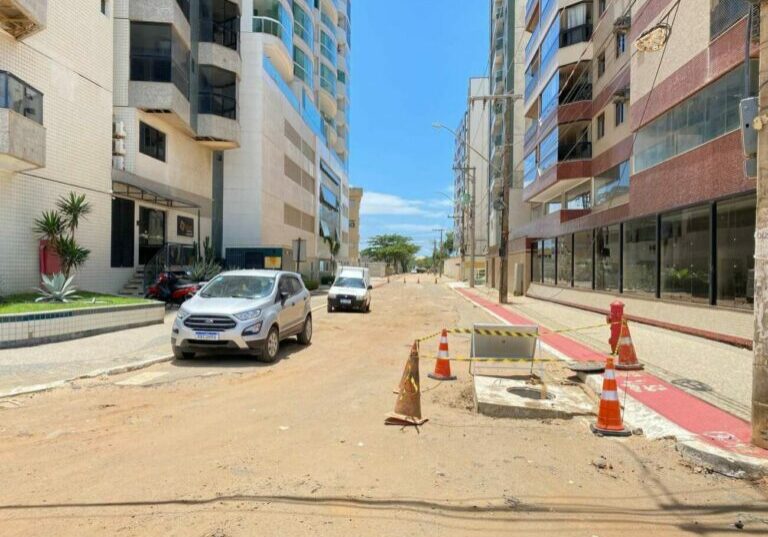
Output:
x=494 y=398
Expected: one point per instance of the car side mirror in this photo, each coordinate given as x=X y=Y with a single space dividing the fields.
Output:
x=284 y=296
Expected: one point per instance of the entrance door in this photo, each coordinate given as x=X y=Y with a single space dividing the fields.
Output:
x=151 y=233
x=123 y=227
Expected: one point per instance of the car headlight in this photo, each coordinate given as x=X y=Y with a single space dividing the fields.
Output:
x=182 y=314
x=253 y=330
x=248 y=315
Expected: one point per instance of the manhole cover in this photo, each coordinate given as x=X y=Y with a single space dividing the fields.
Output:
x=530 y=393
x=586 y=367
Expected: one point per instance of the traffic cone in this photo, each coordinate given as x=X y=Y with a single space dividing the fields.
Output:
x=609 y=421
x=442 y=364
x=408 y=404
x=627 y=356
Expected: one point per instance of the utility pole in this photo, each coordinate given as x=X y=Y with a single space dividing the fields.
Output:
x=472 y=214
x=760 y=367
x=505 y=179
x=440 y=251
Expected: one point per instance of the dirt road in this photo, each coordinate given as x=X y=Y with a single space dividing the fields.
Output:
x=231 y=448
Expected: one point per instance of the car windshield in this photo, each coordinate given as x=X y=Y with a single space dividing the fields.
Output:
x=354 y=283
x=237 y=286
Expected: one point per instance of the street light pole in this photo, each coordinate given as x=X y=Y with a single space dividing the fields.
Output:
x=440 y=251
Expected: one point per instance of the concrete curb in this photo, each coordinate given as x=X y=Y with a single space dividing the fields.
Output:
x=655 y=426
x=108 y=371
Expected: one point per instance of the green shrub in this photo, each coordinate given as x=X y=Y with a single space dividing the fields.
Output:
x=326 y=279
x=310 y=284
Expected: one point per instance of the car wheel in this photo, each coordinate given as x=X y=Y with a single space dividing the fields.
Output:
x=178 y=354
x=368 y=308
x=305 y=337
x=271 y=346
x=330 y=308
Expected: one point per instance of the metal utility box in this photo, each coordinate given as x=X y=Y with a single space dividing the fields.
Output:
x=505 y=346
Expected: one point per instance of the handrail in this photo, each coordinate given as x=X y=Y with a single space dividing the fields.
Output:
x=170 y=254
x=577 y=34
x=268 y=25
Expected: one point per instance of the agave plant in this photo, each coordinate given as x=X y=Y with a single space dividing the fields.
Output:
x=203 y=270
x=57 y=288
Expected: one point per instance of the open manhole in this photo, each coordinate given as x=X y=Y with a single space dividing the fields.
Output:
x=530 y=393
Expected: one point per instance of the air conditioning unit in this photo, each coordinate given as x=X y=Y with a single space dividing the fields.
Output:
x=621 y=96
x=118 y=146
x=118 y=129
x=622 y=24
x=118 y=162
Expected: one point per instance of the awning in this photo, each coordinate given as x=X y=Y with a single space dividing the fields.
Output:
x=133 y=186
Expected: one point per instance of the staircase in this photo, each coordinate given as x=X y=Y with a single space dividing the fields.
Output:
x=134 y=286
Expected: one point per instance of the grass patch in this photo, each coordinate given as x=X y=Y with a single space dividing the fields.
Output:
x=25 y=302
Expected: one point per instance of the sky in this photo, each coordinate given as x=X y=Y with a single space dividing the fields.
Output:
x=411 y=64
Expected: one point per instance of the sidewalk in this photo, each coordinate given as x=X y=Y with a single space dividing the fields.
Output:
x=699 y=389
x=30 y=369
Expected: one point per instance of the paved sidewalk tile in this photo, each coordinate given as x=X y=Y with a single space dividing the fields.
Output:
x=709 y=423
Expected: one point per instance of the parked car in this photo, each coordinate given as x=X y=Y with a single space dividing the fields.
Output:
x=351 y=290
x=244 y=311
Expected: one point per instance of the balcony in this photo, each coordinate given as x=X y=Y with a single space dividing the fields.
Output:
x=209 y=53
x=164 y=12
x=327 y=94
x=725 y=14
x=574 y=151
x=22 y=18
x=498 y=54
x=278 y=44
x=577 y=34
x=22 y=142
x=498 y=82
x=216 y=131
x=217 y=125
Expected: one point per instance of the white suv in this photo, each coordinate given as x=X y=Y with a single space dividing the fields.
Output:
x=244 y=311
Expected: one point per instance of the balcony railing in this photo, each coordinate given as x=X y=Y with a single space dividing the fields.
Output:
x=577 y=151
x=218 y=104
x=328 y=85
x=267 y=25
x=577 y=34
x=224 y=33
x=725 y=14
x=20 y=97
x=582 y=92
x=159 y=68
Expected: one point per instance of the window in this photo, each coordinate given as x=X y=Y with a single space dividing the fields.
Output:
x=530 y=170
x=564 y=260
x=549 y=44
x=706 y=115
x=151 y=142
x=20 y=97
x=220 y=23
x=621 y=43
x=303 y=26
x=327 y=47
x=582 y=259
x=341 y=76
x=607 y=261
x=103 y=7
x=600 y=126
x=579 y=198
x=536 y=259
x=640 y=256
x=328 y=198
x=548 y=255
x=685 y=247
x=552 y=207
x=159 y=55
x=612 y=183
x=217 y=92
x=601 y=65
x=302 y=66
x=576 y=24
x=548 y=151
x=600 y=7
x=619 y=112
x=736 y=252
x=328 y=79
x=549 y=95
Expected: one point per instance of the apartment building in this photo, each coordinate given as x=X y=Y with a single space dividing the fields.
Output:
x=177 y=66
x=56 y=90
x=289 y=178
x=633 y=163
x=507 y=56
x=355 y=199
x=471 y=178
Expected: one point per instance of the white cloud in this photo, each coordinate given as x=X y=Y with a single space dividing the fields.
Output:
x=378 y=203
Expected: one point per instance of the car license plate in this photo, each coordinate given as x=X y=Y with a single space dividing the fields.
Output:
x=346 y=301
x=208 y=336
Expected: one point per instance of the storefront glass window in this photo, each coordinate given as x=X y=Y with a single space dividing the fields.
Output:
x=536 y=256
x=607 y=260
x=564 y=260
x=548 y=253
x=735 y=252
x=685 y=254
x=640 y=256
x=582 y=259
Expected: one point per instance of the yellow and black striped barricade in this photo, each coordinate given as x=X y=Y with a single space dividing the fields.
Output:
x=503 y=341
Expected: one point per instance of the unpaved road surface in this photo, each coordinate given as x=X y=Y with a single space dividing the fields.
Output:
x=232 y=448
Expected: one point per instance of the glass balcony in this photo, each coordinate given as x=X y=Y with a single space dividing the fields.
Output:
x=327 y=21
x=267 y=25
x=577 y=34
x=220 y=23
x=574 y=151
x=582 y=92
x=20 y=97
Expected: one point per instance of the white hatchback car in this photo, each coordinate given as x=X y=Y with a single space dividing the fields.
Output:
x=244 y=311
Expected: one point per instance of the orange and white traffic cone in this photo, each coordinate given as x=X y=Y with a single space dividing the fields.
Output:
x=627 y=356
x=408 y=404
x=442 y=364
x=609 y=422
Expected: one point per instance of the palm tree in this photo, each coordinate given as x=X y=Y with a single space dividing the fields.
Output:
x=72 y=208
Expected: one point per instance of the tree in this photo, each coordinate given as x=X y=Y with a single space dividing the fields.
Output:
x=449 y=246
x=58 y=228
x=395 y=250
x=333 y=246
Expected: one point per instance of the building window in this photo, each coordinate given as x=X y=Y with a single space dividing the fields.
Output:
x=303 y=26
x=549 y=45
x=549 y=96
x=685 y=247
x=564 y=260
x=548 y=151
x=607 y=261
x=708 y=114
x=621 y=43
x=619 y=113
x=600 y=126
x=302 y=66
x=20 y=97
x=601 y=65
x=582 y=259
x=328 y=47
x=612 y=183
x=640 y=256
x=576 y=24
x=220 y=23
x=151 y=142
x=579 y=198
x=552 y=207
x=328 y=79
x=217 y=92
x=530 y=170
x=159 y=55
x=600 y=8
x=103 y=7
x=548 y=262
x=536 y=260
x=736 y=252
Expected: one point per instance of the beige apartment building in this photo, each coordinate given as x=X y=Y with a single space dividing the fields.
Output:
x=355 y=199
x=56 y=94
